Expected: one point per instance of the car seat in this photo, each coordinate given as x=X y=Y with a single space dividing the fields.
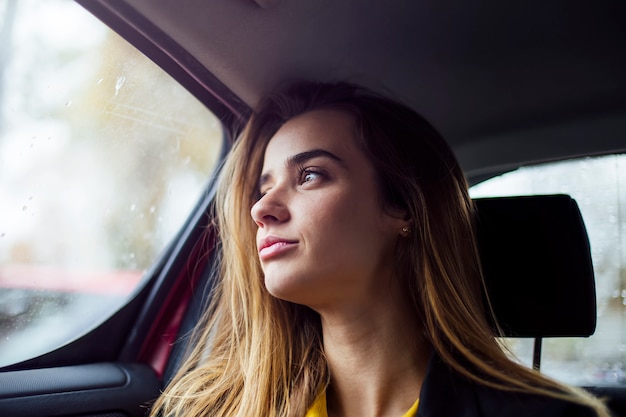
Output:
x=537 y=267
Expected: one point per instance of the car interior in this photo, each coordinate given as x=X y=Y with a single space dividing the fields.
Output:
x=508 y=85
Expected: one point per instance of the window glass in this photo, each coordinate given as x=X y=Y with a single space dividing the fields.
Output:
x=102 y=157
x=598 y=185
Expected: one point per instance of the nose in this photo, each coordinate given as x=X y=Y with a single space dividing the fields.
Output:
x=270 y=208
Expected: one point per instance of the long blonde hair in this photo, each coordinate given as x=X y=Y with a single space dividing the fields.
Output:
x=256 y=355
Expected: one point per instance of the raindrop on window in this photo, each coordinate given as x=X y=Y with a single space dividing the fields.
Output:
x=119 y=84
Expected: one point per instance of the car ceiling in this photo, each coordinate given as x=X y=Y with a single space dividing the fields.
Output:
x=505 y=82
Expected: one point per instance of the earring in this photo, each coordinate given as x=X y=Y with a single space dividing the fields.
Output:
x=405 y=230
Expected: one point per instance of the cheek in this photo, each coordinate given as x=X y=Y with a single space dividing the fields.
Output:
x=327 y=212
x=339 y=217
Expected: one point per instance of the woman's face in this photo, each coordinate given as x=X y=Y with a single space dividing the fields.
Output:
x=324 y=238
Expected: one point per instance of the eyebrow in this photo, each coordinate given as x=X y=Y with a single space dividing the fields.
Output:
x=301 y=158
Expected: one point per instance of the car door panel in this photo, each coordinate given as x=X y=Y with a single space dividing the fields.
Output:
x=112 y=389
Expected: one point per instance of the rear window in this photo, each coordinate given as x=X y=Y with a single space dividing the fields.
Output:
x=598 y=185
x=102 y=158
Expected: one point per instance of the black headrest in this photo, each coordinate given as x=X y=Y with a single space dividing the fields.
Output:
x=537 y=265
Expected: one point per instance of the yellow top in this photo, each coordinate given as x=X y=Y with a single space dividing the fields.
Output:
x=318 y=409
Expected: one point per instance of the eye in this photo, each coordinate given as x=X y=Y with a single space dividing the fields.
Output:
x=309 y=175
x=260 y=193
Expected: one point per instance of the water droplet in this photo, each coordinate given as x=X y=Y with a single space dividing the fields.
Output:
x=2 y=234
x=121 y=80
x=152 y=209
x=68 y=103
x=30 y=198
x=24 y=208
x=133 y=207
x=132 y=255
x=99 y=81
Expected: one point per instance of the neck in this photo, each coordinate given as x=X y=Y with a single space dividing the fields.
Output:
x=377 y=360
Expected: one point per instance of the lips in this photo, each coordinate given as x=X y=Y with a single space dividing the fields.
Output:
x=272 y=246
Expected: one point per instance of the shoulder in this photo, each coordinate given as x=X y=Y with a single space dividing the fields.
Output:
x=492 y=402
x=445 y=393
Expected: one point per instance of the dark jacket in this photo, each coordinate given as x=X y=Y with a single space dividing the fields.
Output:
x=446 y=394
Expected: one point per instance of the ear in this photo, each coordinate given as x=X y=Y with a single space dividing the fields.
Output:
x=399 y=221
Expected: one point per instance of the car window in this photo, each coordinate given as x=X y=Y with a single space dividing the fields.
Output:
x=598 y=184
x=102 y=157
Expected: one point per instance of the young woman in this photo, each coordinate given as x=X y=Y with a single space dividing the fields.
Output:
x=350 y=283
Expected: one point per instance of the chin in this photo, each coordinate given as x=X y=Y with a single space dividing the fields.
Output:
x=288 y=290
x=284 y=292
